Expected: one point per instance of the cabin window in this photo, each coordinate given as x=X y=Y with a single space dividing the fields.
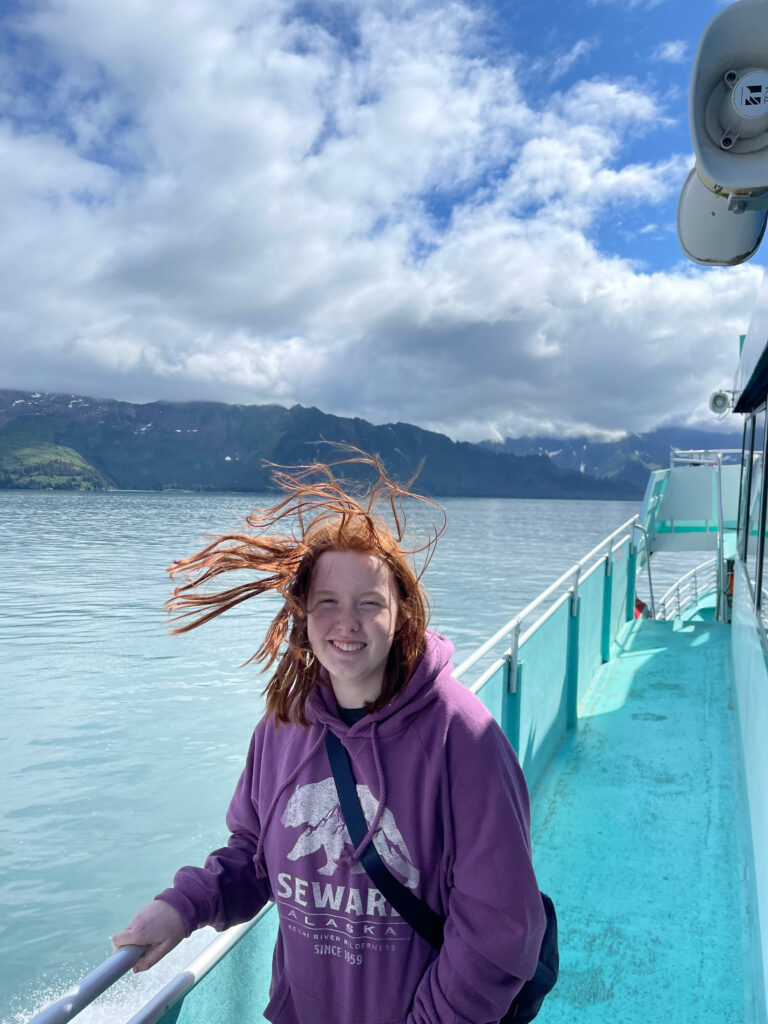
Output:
x=755 y=507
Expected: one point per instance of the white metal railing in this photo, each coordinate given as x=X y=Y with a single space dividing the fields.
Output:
x=567 y=584
x=204 y=962
x=707 y=456
x=119 y=963
x=689 y=589
x=90 y=988
x=714 y=458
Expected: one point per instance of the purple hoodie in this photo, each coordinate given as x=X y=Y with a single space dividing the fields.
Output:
x=447 y=809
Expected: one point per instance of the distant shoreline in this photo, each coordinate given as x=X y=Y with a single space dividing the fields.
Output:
x=75 y=492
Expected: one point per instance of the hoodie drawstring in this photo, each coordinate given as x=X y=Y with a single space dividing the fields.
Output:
x=382 y=797
x=261 y=872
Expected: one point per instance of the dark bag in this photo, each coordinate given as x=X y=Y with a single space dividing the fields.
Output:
x=415 y=912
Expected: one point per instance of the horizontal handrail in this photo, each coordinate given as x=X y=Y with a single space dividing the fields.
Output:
x=628 y=525
x=546 y=616
x=90 y=988
x=705 y=456
x=484 y=648
x=584 y=576
x=518 y=619
x=699 y=569
x=480 y=682
x=705 y=451
x=204 y=962
x=684 y=591
x=122 y=960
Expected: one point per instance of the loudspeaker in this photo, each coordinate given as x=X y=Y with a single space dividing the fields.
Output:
x=719 y=402
x=728 y=114
x=728 y=101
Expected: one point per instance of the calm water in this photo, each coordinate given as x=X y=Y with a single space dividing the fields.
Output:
x=120 y=746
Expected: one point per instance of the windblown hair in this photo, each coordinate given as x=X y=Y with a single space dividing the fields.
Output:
x=323 y=515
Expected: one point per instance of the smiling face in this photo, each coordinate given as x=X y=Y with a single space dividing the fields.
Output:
x=351 y=622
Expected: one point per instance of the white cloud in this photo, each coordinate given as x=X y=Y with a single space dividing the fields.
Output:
x=206 y=201
x=674 y=51
x=559 y=63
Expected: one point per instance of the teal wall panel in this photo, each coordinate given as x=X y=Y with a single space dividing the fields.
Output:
x=590 y=627
x=543 y=693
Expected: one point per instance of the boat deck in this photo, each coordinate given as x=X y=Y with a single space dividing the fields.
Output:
x=636 y=838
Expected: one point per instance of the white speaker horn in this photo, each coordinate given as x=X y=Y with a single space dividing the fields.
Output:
x=719 y=403
x=728 y=104
x=712 y=234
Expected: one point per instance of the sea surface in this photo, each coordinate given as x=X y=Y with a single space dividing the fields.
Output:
x=120 y=745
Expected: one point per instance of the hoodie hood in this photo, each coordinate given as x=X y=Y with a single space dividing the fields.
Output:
x=419 y=692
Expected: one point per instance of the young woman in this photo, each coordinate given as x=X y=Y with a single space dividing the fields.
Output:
x=441 y=788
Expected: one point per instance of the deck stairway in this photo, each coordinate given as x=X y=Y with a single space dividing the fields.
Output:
x=635 y=836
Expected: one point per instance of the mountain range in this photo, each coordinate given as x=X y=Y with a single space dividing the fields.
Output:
x=630 y=458
x=73 y=442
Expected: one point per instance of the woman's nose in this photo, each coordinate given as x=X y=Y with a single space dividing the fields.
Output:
x=349 y=618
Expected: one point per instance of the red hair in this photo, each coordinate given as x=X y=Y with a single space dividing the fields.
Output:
x=324 y=516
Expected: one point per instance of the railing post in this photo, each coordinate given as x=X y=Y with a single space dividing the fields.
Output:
x=605 y=646
x=513 y=677
x=572 y=690
x=631 y=581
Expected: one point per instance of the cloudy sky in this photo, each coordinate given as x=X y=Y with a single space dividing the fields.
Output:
x=456 y=215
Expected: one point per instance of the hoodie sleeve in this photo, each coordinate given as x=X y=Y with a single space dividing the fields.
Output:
x=231 y=887
x=495 y=919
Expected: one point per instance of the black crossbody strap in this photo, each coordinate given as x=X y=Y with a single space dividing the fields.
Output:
x=413 y=910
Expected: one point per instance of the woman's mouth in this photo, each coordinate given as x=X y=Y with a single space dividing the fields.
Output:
x=347 y=647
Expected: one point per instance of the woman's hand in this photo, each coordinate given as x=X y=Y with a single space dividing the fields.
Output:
x=157 y=926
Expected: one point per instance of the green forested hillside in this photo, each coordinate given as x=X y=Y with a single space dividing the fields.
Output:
x=29 y=458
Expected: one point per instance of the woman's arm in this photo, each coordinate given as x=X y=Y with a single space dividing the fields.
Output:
x=226 y=891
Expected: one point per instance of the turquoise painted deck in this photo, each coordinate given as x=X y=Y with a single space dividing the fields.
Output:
x=636 y=838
